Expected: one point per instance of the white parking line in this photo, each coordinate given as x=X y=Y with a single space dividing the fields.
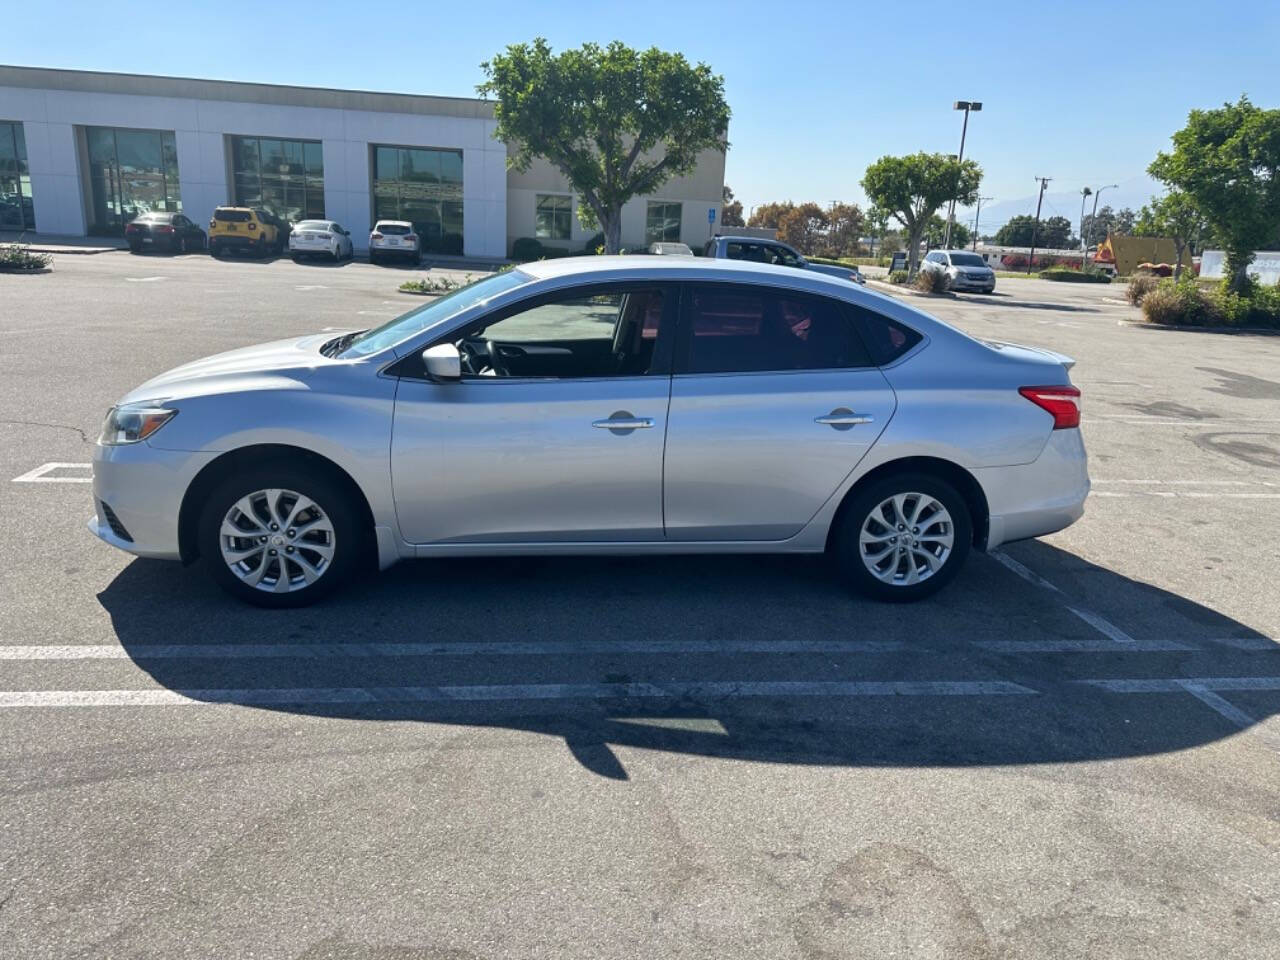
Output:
x=1186 y=494
x=143 y=279
x=1205 y=690
x=511 y=692
x=1099 y=623
x=1025 y=572
x=313 y=651
x=1103 y=626
x=40 y=473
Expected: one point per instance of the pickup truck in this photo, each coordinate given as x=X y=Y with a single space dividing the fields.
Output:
x=771 y=251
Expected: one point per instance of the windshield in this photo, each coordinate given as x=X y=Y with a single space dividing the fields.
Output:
x=967 y=260
x=450 y=305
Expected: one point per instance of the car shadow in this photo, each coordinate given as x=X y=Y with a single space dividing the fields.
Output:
x=320 y=261
x=744 y=658
x=1000 y=300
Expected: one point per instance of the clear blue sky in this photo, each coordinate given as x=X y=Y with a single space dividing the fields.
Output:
x=1083 y=92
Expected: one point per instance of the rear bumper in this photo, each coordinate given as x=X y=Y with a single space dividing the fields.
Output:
x=1037 y=498
x=233 y=243
x=144 y=488
x=385 y=251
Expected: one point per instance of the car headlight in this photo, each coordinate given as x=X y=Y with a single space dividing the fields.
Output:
x=134 y=422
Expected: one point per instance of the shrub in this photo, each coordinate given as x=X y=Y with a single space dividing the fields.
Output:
x=18 y=258
x=1181 y=304
x=1138 y=287
x=898 y=276
x=594 y=245
x=1072 y=275
x=526 y=248
x=932 y=281
x=429 y=285
x=554 y=253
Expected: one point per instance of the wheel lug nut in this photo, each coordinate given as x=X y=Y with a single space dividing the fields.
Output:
x=893 y=539
x=262 y=539
x=273 y=552
x=915 y=529
x=275 y=526
x=293 y=532
x=288 y=549
x=902 y=526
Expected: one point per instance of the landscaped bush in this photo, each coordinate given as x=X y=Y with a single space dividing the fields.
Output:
x=932 y=281
x=1071 y=275
x=898 y=276
x=554 y=253
x=526 y=248
x=1138 y=287
x=18 y=258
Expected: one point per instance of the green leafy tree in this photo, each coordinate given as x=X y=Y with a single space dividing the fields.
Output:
x=936 y=232
x=1054 y=233
x=877 y=224
x=1096 y=227
x=845 y=224
x=803 y=227
x=731 y=210
x=617 y=122
x=1228 y=162
x=912 y=188
x=1176 y=216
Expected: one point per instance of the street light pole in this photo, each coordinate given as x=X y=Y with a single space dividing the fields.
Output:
x=966 y=106
x=1093 y=218
x=1044 y=183
x=1084 y=256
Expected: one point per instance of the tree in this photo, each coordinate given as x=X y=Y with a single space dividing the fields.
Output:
x=1054 y=233
x=877 y=222
x=845 y=226
x=1175 y=215
x=768 y=214
x=1228 y=162
x=731 y=210
x=616 y=122
x=803 y=227
x=912 y=188
x=936 y=232
x=1096 y=227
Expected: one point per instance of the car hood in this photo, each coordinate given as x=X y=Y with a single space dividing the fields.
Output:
x=279 y=363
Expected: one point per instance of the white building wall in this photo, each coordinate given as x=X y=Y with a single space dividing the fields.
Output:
x=201 y=128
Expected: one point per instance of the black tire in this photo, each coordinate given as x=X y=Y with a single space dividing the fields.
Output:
x=297 y=258
x=349 y=541
x=847 y=546
x=215 y=251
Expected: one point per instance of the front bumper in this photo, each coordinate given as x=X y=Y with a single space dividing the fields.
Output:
x=973 y=283
x=144 y=488
x=1037 y=498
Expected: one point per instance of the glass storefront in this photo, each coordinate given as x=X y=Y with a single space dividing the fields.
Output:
x=423 y=187
x=131 y=172
x=17 y=211
x=283 y=176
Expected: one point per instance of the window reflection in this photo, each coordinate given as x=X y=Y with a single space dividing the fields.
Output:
x=284 y=176
x=17 y=210
x=423 y=187
x=131 y=172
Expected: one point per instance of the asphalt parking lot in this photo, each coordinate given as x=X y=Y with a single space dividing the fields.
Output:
x=1073 y=751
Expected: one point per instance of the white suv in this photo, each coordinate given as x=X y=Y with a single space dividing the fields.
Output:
x=394 y=238
x=964 y=270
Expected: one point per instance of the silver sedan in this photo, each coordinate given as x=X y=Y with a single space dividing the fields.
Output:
x=602 y=405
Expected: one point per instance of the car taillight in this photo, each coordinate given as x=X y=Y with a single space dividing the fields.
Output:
x=211 y=223
x=1062 y=402
x=165 y=229
x=375 y=236
x=253 y=226
x=411 y=238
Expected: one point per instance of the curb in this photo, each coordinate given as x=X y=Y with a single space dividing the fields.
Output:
x=1266 y=331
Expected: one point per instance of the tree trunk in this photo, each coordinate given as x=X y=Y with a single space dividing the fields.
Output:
x=913 y=250
x=1237 y=270
x=612 y=229
x=1177 y=264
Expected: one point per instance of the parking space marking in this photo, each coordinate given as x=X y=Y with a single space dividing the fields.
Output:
x=310 y=651
x=1205 y=689
x=143 y=279
x=1186 y=494
x=513 y=692
x=1025 y=572
x=41 y=473
x=1079 y=646
x=1103 y=626
x=1098 y=622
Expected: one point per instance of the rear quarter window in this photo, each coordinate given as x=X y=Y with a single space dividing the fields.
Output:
x=886 y=339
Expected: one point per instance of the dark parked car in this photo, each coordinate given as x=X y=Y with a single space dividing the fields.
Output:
x=757 y=250
x=171 y=232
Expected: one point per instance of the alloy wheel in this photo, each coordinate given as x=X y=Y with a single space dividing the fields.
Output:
x=906 y=539
x=277 y=541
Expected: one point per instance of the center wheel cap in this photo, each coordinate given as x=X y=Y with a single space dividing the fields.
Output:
x=277 y=541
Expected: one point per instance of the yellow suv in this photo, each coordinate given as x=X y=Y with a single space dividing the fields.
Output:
x=246 y=228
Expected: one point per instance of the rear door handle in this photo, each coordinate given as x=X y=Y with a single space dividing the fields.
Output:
x=623 y=422
x=843 y=418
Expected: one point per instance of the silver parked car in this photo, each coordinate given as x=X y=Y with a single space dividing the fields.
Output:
x=320 y=238
x=600 y=405
x=964 y=270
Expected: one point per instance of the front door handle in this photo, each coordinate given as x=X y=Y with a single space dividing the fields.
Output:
x=623 y=422
x=842 y=418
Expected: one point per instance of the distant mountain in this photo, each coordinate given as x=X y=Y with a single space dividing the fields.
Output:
x=1133 y=192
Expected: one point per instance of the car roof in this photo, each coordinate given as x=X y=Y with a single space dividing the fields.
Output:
x=680 y=268
x=737 y=239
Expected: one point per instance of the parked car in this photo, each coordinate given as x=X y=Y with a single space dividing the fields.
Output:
x=964 y=270
x=757 y=250
x=394 y=238
x=320 y=238
x=669 y=249
x=164 y=231
x=600 y=405
x=252 y=229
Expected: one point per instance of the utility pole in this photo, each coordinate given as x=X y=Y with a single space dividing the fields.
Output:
x=966 y=106
x=1084 y=254
x=1044 y=185
x=976 y=220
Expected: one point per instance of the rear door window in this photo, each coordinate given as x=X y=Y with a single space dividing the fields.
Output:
x=745 y=329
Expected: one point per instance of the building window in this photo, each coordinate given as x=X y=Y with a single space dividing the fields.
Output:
x=552 y=216
x=17 y=211
x=423 y=187
x=283 y=176
x=131 y=172
x=662 y=222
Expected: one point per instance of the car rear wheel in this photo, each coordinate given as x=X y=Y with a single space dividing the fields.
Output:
x=903 y=537
x=279 y=536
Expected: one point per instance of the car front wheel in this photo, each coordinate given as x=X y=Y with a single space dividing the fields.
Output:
x=279 y=536
x=903 y=537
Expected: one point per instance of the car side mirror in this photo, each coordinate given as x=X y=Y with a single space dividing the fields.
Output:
x=443 y=363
